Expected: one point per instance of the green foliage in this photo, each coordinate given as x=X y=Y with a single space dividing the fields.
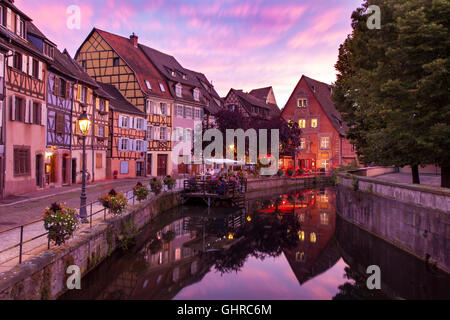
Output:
x=140 y=192
x=169 y=182
x=156 y=186
x=355 y=184
x=392 y=86
x=290 y=172
x=116 y=202
x=280 y=172
x=60 y=222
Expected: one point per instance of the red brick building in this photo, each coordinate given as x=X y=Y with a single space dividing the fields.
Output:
x=323 y=143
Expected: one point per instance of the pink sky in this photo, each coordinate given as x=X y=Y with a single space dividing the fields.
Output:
x=244 y=44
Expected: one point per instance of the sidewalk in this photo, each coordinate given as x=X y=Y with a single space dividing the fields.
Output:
x=425 y=179
x=26 y=211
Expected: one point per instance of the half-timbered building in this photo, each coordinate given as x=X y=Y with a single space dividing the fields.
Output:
x=120 y=61
x=251 y=105
x=25 y=111
x=323 y=143
x=127 y=145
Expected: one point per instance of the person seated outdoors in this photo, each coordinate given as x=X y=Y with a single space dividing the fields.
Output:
x=222 y=186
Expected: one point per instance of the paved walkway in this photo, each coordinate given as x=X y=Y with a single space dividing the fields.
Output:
x=425 y=179
x=13 y=215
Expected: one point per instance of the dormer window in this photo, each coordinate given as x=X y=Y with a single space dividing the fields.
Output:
x=161 y=86
x=302 y=103
x=184 y=76
x=196 y=94
x=178 y=90
x=147 y=83
x=48 y=50
x=116 y=62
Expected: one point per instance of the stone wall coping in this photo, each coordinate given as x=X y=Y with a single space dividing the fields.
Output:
x=414 y=187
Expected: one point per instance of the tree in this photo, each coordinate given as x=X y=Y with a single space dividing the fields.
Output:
x=392 y=86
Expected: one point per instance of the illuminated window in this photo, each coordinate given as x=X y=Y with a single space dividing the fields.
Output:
x=147 y=83
x=161 y=86
x=301 y=235
x=177 y=254
x=325 y=143
x=302 y=217
x=324 y=218
x=314 y=123
x=300 y=256
x=312 y=237
x=302 y=123
x=324 y=163
x=302 y=103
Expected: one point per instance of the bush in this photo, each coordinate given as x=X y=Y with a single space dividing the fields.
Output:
x=170 y=182
x=140 y=192
x=60 y=222
x=290 y=172
x=299 y=172
x=280 y=172
x=156 y=186
x=168 y=236
x=116 y=202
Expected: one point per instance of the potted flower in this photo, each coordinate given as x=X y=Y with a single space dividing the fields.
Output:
x=60 y=222
x=156 y=186
x=280 y=172
x=169 y=182
x=116 y=202
x=290 y=172
x=140 y=192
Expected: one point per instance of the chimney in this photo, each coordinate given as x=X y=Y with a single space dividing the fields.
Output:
x=134 y=40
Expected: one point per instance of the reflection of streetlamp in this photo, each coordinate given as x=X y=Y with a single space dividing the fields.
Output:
x=84 y=124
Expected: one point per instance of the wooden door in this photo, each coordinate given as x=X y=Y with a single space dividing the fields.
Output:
x=65 y=163
x=162 y=165
x=39 y=169
x=74 y=170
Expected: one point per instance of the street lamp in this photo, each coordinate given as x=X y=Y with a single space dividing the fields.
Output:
x=84 y=124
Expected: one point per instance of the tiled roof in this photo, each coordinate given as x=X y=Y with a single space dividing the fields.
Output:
x=77 y=71
x=138 y=62
x=322 y=92
x=261 y=93
x=118 y=102
x=11 y=5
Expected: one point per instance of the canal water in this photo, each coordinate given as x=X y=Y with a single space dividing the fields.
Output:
x=292 y=246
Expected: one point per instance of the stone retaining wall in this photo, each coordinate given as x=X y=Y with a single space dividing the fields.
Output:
x=413 y=218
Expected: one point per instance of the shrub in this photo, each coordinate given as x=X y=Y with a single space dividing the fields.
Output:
x=156 y=186
x=280 y=172
x=116 y=202
x=355 y=184
x=140 y=192
x=170 y=182
x=168 y=236
x=299 y=172
x=60 y=222
x=290 y=172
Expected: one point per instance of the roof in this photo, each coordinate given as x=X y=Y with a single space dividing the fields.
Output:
x=137 y=61
x=11 y=5
x=261 y=93
x=118 y=102
x=322 y=92
x=76 y=70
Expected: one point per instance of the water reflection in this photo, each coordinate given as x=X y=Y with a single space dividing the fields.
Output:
x=285 y=247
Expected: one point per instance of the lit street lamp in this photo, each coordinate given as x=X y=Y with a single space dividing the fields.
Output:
x=84 y=124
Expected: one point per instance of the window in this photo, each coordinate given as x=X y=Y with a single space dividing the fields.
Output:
x=163 y=133
x=124 y=122
x=48 y=50
x=149 y=133
x=62 y=85
x=123 y=167
x=101 y=131
x=313 y=237
x=161 y=86
x=324 y=218
x=353 y=147
x=233 y=107
x=196 y=94
x=314 y=123
x=2 y=19
x=187 y=112
x=84 y=64
x=17 y=61
x=22 y=161
x=20 y=109
x=301 y=235
x=302 y=143
x=35 y=69
x=139 y=124
x=180 y=111
x=163 y=107
x=83 y=94
x=302 y=123
x=98 y=160
x=102 y=105
x=116 y=62
x=300 y=256
x=147 y=83
x=139 y=146
x=197 y=113
x=302 y=103
x=178 y=90
x=124 y=145
x=325 y=143
x=150 y=107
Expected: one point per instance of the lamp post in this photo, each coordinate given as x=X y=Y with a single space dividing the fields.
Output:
x=84 y=124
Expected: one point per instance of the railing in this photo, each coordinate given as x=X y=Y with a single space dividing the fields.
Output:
x=35 y=227
x=230 y=188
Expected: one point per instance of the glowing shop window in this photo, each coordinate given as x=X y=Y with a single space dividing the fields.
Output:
x=324 y=218
x=312 y=237
x=177 y=254
x=301 y=235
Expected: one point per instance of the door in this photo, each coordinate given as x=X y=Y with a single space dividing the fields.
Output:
x=74 y=170
x=149 y=164
x=39 y=169
x=162 y=165
x=65 y=162
x=139 y=169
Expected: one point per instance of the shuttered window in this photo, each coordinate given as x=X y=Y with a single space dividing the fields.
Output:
x=37 y=114
x=98 y=160
x=20 y=109
x=35 y=69
x=22 y=161
x=59 y=123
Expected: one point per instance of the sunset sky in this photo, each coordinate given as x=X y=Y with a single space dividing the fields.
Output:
x=236 y=43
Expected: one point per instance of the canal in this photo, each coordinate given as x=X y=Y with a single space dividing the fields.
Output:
x=292 y=246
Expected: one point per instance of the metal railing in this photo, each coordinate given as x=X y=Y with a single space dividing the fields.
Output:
x=95 y=208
